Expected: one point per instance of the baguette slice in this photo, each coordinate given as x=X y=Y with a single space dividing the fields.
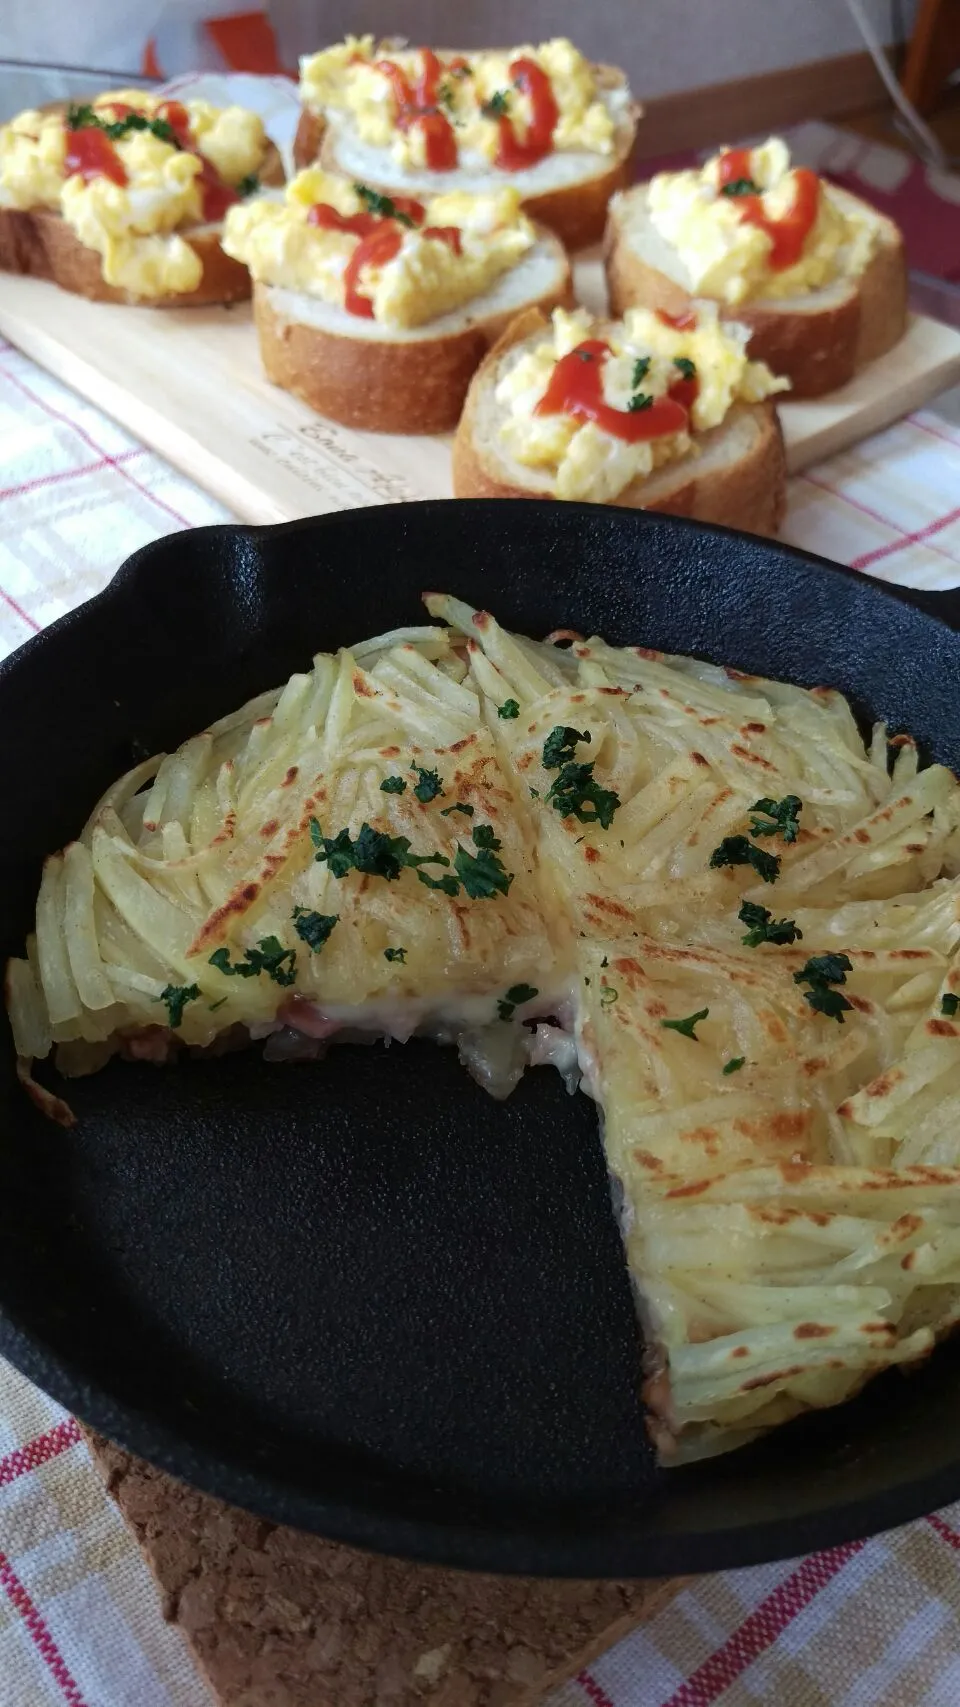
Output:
x=735 y=476
x=39 y=242
x=817 y=340
x=399 y=380
x=567 y=191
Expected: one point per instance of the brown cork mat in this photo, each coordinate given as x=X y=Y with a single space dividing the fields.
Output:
x=277 y=1618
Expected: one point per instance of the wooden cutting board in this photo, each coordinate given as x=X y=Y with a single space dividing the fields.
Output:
x=188 y=383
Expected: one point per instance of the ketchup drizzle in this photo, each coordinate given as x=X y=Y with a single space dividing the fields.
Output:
x=418 y=106
x=374 y=250
x=512 y=152
x=789 y=233
x=91 y=154
x=576 y=389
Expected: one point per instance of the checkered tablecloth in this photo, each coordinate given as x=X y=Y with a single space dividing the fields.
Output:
x=866 y=1625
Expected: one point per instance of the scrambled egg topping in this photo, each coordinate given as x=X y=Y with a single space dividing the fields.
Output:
x=133 y=226
x=425 y=279
x=727 y=257
x=343 y=79
x=588 y=462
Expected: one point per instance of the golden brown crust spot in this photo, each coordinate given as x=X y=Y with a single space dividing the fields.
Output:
x=752 y=758
x=214 y=929
x=646 y=1159
x=694 y=1189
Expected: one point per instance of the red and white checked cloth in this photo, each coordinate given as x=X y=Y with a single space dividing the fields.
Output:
x=868 y=1625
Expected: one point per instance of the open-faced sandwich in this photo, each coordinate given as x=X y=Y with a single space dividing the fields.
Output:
x=122 y=199
x=817 y=275
x=649 y=412
x=414 y=122
x=378 y=310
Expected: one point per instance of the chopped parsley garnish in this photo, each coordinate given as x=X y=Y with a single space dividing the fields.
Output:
x=221 y=960
x=269 y=956
x=449 y=885
x=373 y=854
x=820 y=972
x=393 y=785
x=608 y=995
x=87 y=118
x=824 y=969
x=313 y=928
x=376 y=854
x=395 y=954
x=483 y=837
x=741 y=187
x=467 y=811
x=641 y=368
x=949 y=1004
x=534 y=794
x=829 y=1002
x=429 y=785
x=640 y=400
x=483 y=875
x=780 y=817
x=560 y=744
x=213 y=1006
x=461 y=70
x=514 y=998
x=574 y=793
x=688 y=369
x=575 y=789
x=338 y=851
x=249 y=185
x=509 y=708
x=763 y=927
x=733 y=1065
x=176 y=997
x=737 y=850
x=686 y=1026
x=498 y=104
x=384 y=206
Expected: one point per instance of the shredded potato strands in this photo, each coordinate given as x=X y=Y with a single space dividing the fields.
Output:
x=784 y=1141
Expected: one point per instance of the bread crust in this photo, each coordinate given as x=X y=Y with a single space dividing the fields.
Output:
x=749 y=493
x=308 y=138
x=576 y=213
x=818 y=347
x=385 y=385
x=40 y=243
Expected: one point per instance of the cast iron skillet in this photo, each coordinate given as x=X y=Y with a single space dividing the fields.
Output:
x=359 y=1296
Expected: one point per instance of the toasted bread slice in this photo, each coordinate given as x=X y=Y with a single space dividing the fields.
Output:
x=398 y=380
x=817 y=340
x=567 y=191
x=39 y=242
x=736 y=474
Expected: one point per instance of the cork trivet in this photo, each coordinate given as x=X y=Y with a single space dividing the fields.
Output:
x=277 y=1618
